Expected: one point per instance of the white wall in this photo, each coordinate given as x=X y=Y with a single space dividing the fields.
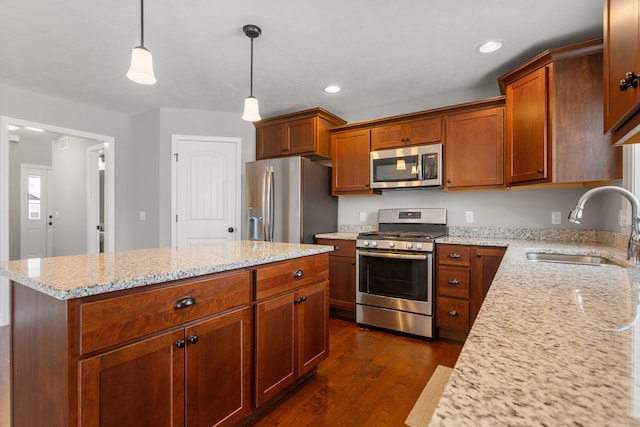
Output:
x=70 y=196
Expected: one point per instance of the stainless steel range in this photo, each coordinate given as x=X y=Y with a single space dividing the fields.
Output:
x=395 y=265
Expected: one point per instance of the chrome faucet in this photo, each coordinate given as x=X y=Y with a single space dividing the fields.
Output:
x=633 y=247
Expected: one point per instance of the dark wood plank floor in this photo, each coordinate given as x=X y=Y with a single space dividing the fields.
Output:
x=371 y=378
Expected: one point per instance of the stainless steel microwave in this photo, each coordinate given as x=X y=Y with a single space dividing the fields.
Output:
x=409 y=167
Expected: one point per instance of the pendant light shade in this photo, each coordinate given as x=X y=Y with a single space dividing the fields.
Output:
x=141 y=68
x=251 y=110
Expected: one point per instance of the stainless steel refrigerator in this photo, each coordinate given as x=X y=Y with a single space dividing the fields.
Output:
x=289 y=200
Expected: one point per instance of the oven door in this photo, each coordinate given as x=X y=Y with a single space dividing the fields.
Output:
x=395 y=280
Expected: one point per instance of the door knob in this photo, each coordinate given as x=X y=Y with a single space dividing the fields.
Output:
x=230 y=229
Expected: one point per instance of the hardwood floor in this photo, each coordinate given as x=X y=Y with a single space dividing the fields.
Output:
x=371 y=378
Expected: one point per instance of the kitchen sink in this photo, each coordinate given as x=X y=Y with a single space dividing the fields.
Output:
x=573 y=259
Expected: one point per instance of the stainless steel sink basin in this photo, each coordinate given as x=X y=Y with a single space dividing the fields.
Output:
x=573 y=259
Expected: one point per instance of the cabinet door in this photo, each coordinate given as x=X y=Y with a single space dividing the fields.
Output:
x=219 y=352
x=621 y=55
x=312 y=311
x=527 y=128
x=350 y=155
x=385 y=137
x=275 y=359
x=426 y=131
x=484 y=266
x=301 y=136
x=141 y=384
x=342 y=279
x=475 y=149
x=270 y=141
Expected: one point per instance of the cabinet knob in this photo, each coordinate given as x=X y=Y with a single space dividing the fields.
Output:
x=184 y=302
x=193 y=339
x=180 y=343
x=353 y=263
x=630 y=80
x=298 y=274
x=453 y=281
x=337 y=248
x=540 y=171
x=300 y=300
x=452 y=313
x=448 y=181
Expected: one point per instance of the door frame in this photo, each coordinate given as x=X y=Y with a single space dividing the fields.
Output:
x=93 y=196
x=5 y=121
x=175 y=140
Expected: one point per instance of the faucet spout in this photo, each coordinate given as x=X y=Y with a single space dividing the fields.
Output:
x=633 y=246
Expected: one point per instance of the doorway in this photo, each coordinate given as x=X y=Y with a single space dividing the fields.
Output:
x=205 y=189
x=35 y=213
x=5 y=205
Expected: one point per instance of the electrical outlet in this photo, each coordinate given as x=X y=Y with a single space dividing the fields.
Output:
x=469 y=216
x=143 y=215
x=556 y=217
x=363 y=216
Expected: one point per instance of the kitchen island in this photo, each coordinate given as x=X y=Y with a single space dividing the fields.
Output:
x=553 y=344
x=199 y=335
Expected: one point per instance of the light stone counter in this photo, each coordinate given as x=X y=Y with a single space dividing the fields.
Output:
x=70 y=277
x=553 y=344
x=338 y=236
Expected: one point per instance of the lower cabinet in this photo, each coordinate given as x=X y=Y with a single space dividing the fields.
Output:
x=463 y=277
x=291 y=338
x=200 y=374
x=342 y=277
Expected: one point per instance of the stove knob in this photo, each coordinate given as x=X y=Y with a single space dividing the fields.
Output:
x=392 y=245
x=409 y=245
x=418 y=246
x=374 y=244
x=365 y=243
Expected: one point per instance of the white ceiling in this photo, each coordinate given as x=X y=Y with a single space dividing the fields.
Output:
x=380 y=51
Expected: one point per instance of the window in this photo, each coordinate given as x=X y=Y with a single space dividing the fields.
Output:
x=33 y=197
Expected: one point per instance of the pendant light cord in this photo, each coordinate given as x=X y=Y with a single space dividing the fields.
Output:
x=251 y=73
x=142 y=23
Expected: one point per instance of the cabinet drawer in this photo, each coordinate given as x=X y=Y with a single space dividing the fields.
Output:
x=289 y=275
x=454 y=255
x=341 y=247
x=452 y=314
x=116 y=320
x=453 y=281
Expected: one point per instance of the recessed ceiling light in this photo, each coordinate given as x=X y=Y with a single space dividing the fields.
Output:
x=332 y=89
x=33 y=129
x=13 y=127
x=490 y=46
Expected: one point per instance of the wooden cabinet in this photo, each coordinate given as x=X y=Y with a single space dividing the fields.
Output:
x=350 y=173
x=403 y=134
x=305 y=133
x=463 y=277
x=553 y=122
x=622 y=56
x=342 y=277
x=206 y=365
x=474 y=149
x=291 y=323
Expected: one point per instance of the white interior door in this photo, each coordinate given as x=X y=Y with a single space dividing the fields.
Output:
x=206 y=190
x=36 y=221
x=95 y=198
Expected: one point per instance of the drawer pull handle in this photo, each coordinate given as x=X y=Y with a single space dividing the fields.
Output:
x=184 y=302
x=193 y=339
x=180 y=343
x=452 y=313
x=298 y=274
x=337 y=248
x=454 y=255
x=454 y=281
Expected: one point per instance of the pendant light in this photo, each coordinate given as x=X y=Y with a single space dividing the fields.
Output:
x=141 y=69
x=251 y=112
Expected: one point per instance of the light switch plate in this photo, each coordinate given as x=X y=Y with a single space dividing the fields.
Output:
x=363 y=216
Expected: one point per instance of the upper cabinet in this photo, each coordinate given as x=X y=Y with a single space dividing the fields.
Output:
x=622 y=66
x=554 y=120
x=474 y=147
x=305 y=133
x=403 y=134
x=350 y=158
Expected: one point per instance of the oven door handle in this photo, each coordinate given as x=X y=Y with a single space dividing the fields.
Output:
x=374 y=254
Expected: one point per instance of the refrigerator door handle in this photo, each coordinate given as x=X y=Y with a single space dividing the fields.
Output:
x=268 y=204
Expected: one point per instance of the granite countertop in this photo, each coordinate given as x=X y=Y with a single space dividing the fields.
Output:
x=75 y=276
x=338 y=236
x=553 y=344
